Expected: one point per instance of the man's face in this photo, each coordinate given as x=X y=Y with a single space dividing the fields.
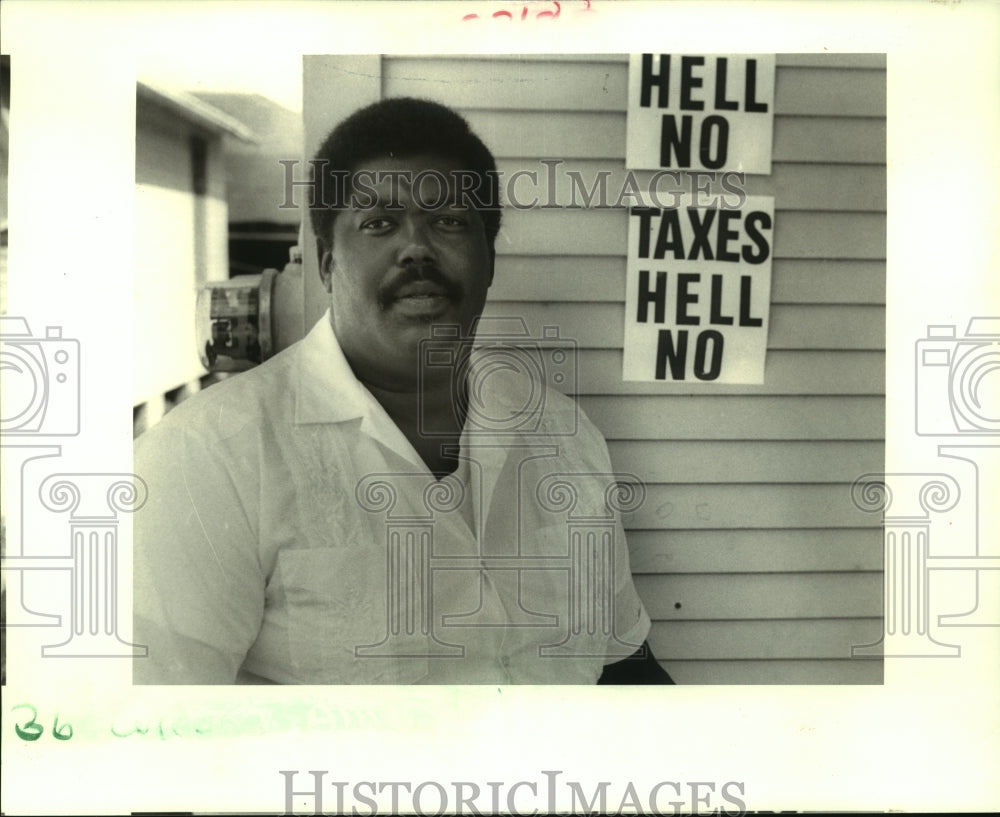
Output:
x=404 y=255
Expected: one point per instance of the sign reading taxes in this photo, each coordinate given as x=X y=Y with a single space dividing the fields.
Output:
x=698 y=292
x=700 y=112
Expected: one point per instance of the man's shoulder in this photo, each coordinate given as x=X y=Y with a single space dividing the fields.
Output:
x=563 y=413
x=225 y=408
x=566 y=417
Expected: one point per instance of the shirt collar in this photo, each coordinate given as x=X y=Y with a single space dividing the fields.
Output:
x=328 y=391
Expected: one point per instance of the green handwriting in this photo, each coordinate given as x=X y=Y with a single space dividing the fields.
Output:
x=33 y=730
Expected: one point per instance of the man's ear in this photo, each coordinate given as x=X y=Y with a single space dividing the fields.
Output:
x=325 y=255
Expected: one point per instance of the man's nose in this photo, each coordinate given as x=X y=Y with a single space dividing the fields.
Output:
x=417 y=247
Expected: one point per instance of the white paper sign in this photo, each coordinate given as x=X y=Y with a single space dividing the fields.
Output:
x=700 y=112
x=698 y=292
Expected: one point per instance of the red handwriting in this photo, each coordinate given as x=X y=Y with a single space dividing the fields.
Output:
x=547 y=13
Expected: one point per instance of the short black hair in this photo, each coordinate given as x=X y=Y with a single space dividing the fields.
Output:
x=403 y=127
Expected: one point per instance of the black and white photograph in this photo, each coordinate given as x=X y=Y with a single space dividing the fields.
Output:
x=711 y=539
x=572 y=344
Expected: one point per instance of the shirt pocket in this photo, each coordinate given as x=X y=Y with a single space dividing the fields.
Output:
x=332 y=604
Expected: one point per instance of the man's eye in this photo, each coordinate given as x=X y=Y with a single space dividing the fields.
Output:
x=451 y=221
x=376 y=224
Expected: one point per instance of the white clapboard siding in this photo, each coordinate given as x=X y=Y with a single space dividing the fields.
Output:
x=828 y=638
x=584 y=135
x=579 y=183
x=790 y=671
x=791 y=372
x=791 y=326
x=715 y=461
x=797 y=234
x=596 y=372
x=761 y=596
x=749 y=554
x=852 y=60
x=600 y=278
x=571 y=86
x=803 y=550
x=766 y=417
x=748 y=505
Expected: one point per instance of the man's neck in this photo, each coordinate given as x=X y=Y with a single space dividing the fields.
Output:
x=430 y=417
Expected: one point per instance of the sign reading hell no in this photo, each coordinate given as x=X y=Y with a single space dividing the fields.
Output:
x=700 y=112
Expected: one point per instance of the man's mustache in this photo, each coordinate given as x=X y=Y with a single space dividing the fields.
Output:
x=390 y=290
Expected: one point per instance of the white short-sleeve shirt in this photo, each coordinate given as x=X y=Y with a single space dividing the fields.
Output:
x=293 y=535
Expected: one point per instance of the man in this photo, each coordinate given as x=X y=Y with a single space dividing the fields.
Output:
x=376 y=504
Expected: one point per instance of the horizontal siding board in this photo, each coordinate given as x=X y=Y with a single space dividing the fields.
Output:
x=794 y=185
x=697 y=507
x=602 y=325
x=599 y=372
x=492 y=84
x=532 y=135
x=802 y=186
x=754 y=551
x=826 y=327
x=797 y=234
x=526 y=135
x=857 y=60
x=829 y=140
x=725 y=461
x=821 y=91
x=735 y=596
x=560 y=231
x=750 y=640
x=813 y=281
x=829 y=235
x=817 y=60
x=528 y=59
x=502 y=84
x=697 y=417
x=558 y=278
x=602 y=278
x=789 y=671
